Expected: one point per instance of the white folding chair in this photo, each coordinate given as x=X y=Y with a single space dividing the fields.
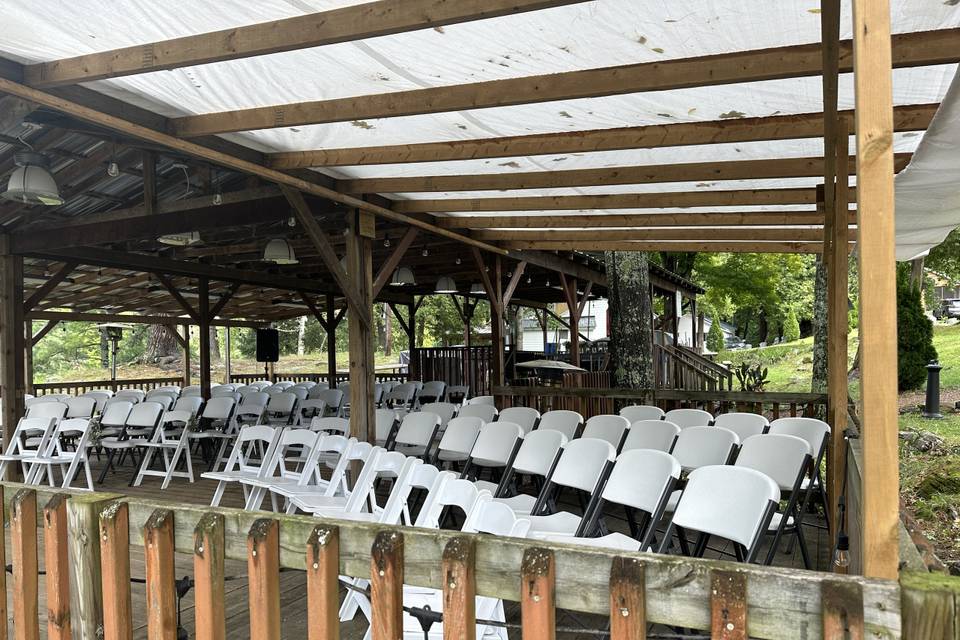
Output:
x=817 y=434
x=28 y=440
x=402 y=397
x=416 y=434
x=610 y=428
x=457 y=440
x=216 y=427
x=252 y=407
x=659 y=435
x=562 y=420
x=142 y=421
x=733 y=503
x=56 y=410
x=99 y=397
x=332 y=424
x=457 y=393
x=76 y=430
x=331 y=451
x=135 y=396
x=743 y=424
x=114 y=417
x=251 y=453
x=384 y=420
x=165 y=400
x=482 y=400
x=286 y=465
x=81 y=407
x=635 y=412
x=433 y=391
x=171 y=439
x=190 y=404
x=191 y=390
x=332 y=402
x=362 y=499
x=281 y=408
x=684 y=418
x=526 y=417
x=537 y=456
x=446 y=411
x=486 y=412
x=496 y=447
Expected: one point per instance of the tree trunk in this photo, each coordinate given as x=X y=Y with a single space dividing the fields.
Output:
x=214 y=346
x=301 y=332
x=916 y=279
x=160 y=344
x=819 y=377
x=387 y=330
x=104 y=350
x=630 y=309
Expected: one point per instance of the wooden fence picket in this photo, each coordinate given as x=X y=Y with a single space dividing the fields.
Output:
x=23 y=545
x=57 y=566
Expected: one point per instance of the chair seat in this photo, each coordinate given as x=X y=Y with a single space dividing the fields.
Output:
x=562 y=523
x=65 y=458
x=453 y=456
x=521 y=504
x=776 y=519
x=210 y=435
x=230 y=476
x=129 y=443
x=617 y=541
x=323 y=504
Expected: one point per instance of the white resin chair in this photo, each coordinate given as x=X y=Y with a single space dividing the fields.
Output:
x=526 y=417
x=684 y=418
x=611 y=428
x=659 y=435
x=562 y=420
x=635 y=412
x=743 y=424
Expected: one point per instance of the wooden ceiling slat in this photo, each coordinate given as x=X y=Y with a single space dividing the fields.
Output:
x=770 y=219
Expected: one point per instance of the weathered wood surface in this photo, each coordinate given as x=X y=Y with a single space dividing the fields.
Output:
x=55 y=547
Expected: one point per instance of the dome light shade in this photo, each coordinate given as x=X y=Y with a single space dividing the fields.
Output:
x=31 y=182
x=477 y=289
x=402 y=276
x=279 y=251
x=180 y=239
x=446 y=285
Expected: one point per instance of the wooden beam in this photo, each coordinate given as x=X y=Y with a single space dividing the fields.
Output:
x=678 y=246
x=683 y=172
x=878 y=290
x=149 y=182
x=203 y=313
x=514 y=281
x=788 y=127
x=482 y=269
x=12 y=338
x=583 y=301
x=134 y=318
x=652 y=200
x=171 y=287
x=684 y=233
x=172 y=331
x=318 y=316
x=58 y=276
x=224 y=299
x=560 y=264
x=386 y=269
x=44 y=330
x=358 y=22
x=634 y=220
x=913 y=49
x=221 y=158
x=360 y=326
x=322 y=244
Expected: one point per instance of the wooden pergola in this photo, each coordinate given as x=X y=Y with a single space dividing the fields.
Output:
x=97 y=256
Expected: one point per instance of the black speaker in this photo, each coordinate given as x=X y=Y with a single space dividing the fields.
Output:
x=268 y=345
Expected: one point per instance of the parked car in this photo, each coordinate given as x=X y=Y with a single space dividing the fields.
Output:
x=950 y=308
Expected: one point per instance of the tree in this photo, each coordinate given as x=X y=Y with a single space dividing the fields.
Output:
x=773 y=330
x=791 y=327
x=631 y=348
x=715 y=341
x=818 y=383
x=914 y=334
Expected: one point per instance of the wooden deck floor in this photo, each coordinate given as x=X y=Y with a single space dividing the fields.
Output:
x=292 y=583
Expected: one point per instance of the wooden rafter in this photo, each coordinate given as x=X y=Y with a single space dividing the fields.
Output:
x=787 y=127
x=44 y=330
x=386 y=269
x=171 y=287
x=514 y=281
x=132 y=318
x=677 y=246
x=912 y=49
x=224 y=299
x=634 y=220
x=344 y=24
x=673 y=233
x=58 y=276
x=683 y=172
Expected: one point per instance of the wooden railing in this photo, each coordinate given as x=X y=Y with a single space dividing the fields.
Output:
x=455 y=366
x=383 y=376
x=89 y=540
x=681 y=368
x=590 y=401
x=77 y=388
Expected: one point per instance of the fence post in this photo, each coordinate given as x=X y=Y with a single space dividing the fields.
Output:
x=386 y=586
x=161 y=583
x=263 y=566
x=728 y=605
x=3 y=574
x=86 y=595
x=115 y=570
x=843 y=610
x=323 y=589
x=208 y=554
x=538 y=611
x=929 y=604
x=56 y=562
x=459 y=589
x=23 y=544
x=628 y=615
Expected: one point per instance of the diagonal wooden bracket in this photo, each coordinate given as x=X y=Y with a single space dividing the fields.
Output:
x=224 y=299
x=586 y=296
x=514 y=281
x=176 y=336
x=169 y=286
x=386 y=270
x=495 y=302
x=314 y=310
x=48 y=286
x=322 y=244
x=38 y=336
x=403 y=323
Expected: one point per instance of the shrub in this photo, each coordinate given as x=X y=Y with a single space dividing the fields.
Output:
x=914 y=335
x=715 y=341
x=791 y=327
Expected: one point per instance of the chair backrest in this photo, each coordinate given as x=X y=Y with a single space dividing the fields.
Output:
x=460 y=435
x=245 y=388
x=29 y=402
x=176 y=418
x=333 y=398
x=81 y=407
x=445 y=410
x=379 y=464
x=273 y=388
x=100 y=397
x=253 y=449
x=726 y=501
x=651 y=434
x=135 y=395
x=145 y=415
x=55 y=410
x=192 y=390
x=115 y=413
x=281 y=403
x=539 y=452
x=486 y=412
x=219 y=408
x=153 y=393
x=457 y=393
x=703 y=446
x=420 y=476
x=384 y=419
x=76 y=428
x=814 y=431
x=684 y=418
x=401 y=395
x=260 y=385
x=283 y=384
x=783 y=457
x=164 y=399
x=641 y=478
x=19 y=443
x=316 y=389
x=742 y=424
x=257 y=398
x=495 y=519
x=482 y=400
x=497 y=442
x=635 y=412
x=300 y=392
x=582 y=463
x=607 y=427
x=293 y=446
x=222 y=390
x=306 y=384
x=189 y=403
x=452 y=492
x=526 y=417
x=562 y=420
x=388 y=385
x=435 y=390
x=331 y=425
x=418 y=429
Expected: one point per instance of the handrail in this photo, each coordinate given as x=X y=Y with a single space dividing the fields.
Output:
x=764 y=602
x=42 y=388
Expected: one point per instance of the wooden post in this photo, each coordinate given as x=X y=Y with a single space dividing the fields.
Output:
x=208 y=554
x=538 y=611
x=11 y=342
x=203 y=289
x=362 y=366
x=227 y=361
x=628 y=617
x=496 y=324
x=56 y=563
x=413 y=370
x=331 y=341
x=161 y=582
x=386 y=586
x=323 y=588
x=728 y=605
x=23 y=545
x=878 y=288
x=115 y=569
x=928 y=604
x=843 y=610
x=459 y=590
x=186 y=355
x=3 y=574
x=86 y=593
x=28 y=356
x=263 y=567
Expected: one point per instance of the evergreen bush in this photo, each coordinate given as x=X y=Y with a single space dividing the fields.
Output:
x=791 y=327
x=914 y=335
x=715 y=341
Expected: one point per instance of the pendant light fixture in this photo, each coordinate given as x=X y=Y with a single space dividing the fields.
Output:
x=31 y=182
x=186 y=239
x=446 y=285
x=279 y=251
x=402 y=276
x=477 y=289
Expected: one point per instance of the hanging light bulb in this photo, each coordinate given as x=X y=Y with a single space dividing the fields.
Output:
x=291 y=221
x=425 y=252
x=841 y=555
x=402 y=276
x=458 y=261
x=529 y=280
x=477 y=289
x=386 y=241
x=509 y=274
x=218 y=198
x=113 y=169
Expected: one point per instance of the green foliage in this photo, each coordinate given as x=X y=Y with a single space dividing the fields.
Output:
x=715 y=341
x=773 y=330
x=914 y=335
x=751 y=377
x=945 y=257
x=791 y=327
